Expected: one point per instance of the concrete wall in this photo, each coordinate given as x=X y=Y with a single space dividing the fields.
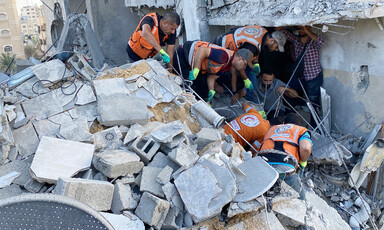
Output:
x=113 y=24
x=355 y=96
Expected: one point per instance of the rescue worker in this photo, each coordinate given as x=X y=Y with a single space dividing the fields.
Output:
x=153 y=32
x=287 y=147
x=203 y=62
x=251 y=126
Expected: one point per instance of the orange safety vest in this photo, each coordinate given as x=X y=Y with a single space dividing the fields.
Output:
x=250 y=34
x=288 y=134
x=208 y=66
x=138 y=43
x=251 y=126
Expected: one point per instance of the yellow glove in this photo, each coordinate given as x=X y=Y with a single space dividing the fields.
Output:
x=262 y=113
x=303 y=164
x=164 y=56
x=193 y=74
x=248 y=84
x=211 y=94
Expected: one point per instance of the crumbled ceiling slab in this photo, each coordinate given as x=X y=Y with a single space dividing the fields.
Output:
x=150 y=3
x=294 y=12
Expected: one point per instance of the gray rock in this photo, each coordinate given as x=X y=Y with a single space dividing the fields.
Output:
x=97 y=194
x=165 y=175
x=251 y=186
x=197 y=187
x=122 y=198
x=115 y=163
x=152 y=210
x=148 y=181
x=26 y=139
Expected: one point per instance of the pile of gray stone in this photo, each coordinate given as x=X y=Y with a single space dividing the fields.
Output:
x=139 y=173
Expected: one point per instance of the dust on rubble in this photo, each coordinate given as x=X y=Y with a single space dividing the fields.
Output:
x=140 y=68
x=96 y=127
x=211 y=224
x=168 y=112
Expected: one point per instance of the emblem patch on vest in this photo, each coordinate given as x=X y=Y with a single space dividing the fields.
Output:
x=235 y=125
x=283 y=128
x=250 y=120
x=253 y=31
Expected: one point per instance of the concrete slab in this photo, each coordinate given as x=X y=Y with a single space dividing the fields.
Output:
x=173 y=195
x=148 y=181
x=85 y=95
x=88 y=111
x=46 y=128
x=26 y=139
x=97 y=194
x=127 y=221
x=197 y=187
x=43 y=106
x=183 y=156
x=152 y=210
x=153 y=88
x=74 y=157
x=206 y=136
x=134 y=132
x=147 y=97
x=174 y=219
x=165 y=175
x=123 y=110
x=115 y=163
x=160 y=160
x=103 y=88
x=167 y=133
x=122 y=198
x=108 y=138
x=76 y=130
x=295 y=210
x=10 y=191
x=51 y=72
x=251 y=186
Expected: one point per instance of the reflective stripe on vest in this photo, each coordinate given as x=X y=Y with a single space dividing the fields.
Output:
x=139 y=45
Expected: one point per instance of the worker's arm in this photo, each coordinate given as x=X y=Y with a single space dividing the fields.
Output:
x=309 y=32
x=148 y=36
x=234 y=79
x=170 y=52
x=201 y=54
x=305 y=149
x=288 y=92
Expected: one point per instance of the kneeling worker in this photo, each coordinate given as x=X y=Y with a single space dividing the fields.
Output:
x=251 y=126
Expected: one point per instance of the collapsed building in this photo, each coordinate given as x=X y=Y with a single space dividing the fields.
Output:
x=131 y=141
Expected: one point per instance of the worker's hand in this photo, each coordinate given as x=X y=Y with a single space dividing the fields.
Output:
x=256 y=68
x=164 y=56
x=280 y=90
x=262 y=113
x=248 y=84
x=193 y=74
x=211 y=94
x=303 y=164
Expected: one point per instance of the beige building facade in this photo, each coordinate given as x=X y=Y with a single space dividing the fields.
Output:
x=10 y=34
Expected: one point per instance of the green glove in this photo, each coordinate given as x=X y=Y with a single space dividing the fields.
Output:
x=193 y=74
x=164 y=56
x=248 y=84
x=256 y=69
x=303 y=164
x=211 y=94
x=262 y=113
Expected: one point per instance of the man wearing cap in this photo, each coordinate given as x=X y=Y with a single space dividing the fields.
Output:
x=205 y=62
x=251 y=126
x=153 y=32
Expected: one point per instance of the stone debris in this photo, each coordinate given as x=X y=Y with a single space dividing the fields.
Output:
x=128 y=141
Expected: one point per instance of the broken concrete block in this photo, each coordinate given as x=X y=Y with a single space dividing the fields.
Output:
x=147 y=97
x=43 y=106
x=20 y=120
x=9 y=191
x=134 y=132
x=51 y=72
x=46 y=128
x=197 y=194
x=177 y=140
x=163 y=80
x=9 y=111
x=76 y=130
x=206 y=136
x=85 y=95
x=154 y=88
x=21 y=166
x=108 y=87
x=26 y=139
x=122 y=198
x=100 y=176
x=146 y=149
x=152 y=210
x=109 y=138
x=183 y=156
x=294 y=210
x=115 y=163
x=97 y=194
x=173 y=195
x=33 y=186
x=174 y=219
x=148 y=181
x=258 y=221
x=122 y=110
x=74 y=157
x=160 y=160
x=88 y=111
x=14 y=153
x=167 y=133
x=7 y=179
x=244 y=207
x=251 y=186
x=127 y=221
x=164 y=175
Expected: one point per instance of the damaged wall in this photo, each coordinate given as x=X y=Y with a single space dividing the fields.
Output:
x=355 y=93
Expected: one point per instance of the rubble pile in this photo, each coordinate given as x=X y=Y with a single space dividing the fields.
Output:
x=129 y=144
